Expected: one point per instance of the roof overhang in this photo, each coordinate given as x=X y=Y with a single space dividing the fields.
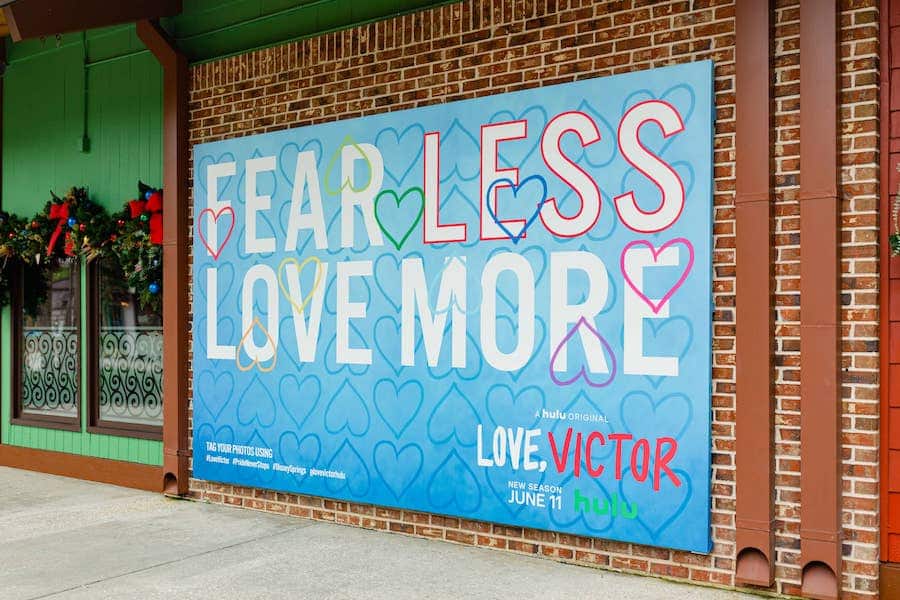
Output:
x=25 y=19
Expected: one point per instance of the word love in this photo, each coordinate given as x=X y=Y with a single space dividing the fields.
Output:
x=420 y=206
x=638 y=458
x=422 y=324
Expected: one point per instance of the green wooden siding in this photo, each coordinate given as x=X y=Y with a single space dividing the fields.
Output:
x=43 y=125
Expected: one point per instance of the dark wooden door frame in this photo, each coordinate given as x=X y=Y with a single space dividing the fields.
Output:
x=176 y=308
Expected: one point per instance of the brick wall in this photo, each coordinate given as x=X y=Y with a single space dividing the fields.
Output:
x=477 y=48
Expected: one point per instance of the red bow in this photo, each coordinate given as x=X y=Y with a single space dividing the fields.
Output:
x=60 y=213
x=153 y=205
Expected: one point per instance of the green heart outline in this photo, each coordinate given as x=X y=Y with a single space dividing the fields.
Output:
x=398 y=200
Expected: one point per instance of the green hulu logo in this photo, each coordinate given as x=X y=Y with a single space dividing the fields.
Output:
x=603 y=506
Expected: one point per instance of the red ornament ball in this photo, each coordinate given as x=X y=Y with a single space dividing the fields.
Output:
x=11 y=235
x=120 y=223
x=81 y=227
x=34 y=224
x=113 y=237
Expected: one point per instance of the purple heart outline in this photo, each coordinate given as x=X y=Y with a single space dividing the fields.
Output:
x=582 y=372
x=515 y=189
x=656 y=306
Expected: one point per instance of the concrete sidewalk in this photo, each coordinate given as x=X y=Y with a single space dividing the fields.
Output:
x=62 y=538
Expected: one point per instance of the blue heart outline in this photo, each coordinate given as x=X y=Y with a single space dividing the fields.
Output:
x=345 y=414
x=352 y=480
x=255 y=400
x=689 y=417
x=225 y=267
x=521 y=117
x=289 y=177
x=199 y=394
x=454 y=431
x=515 y=190
x=309 y=436
x=201 y=327
x=457 y=125
x=513 y=398
x=331 y=365
x=396 y=455
x=390 y=362
x=398 y=136
x=538 y=343
x=438 y=477
x=398 y=431
x=688 y=486
x=200 y=167
x=435 y=287
x=240 y=192
x=299 y=385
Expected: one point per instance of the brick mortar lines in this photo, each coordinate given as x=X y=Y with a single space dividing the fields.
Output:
x=477 y=48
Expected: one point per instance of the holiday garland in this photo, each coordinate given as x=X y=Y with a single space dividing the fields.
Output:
x=138 y=246
x=74 y=227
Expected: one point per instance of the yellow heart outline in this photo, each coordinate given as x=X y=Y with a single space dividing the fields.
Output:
x=300 y=265
x=255 y=362
x=329 y=168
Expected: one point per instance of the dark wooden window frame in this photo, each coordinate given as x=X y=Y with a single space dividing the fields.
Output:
x=95 y=423
x=18 y=416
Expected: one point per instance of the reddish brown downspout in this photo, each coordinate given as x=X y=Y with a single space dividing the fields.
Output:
x=889 y=277
x=755 y=538
x=820 y=390
x=176 y=451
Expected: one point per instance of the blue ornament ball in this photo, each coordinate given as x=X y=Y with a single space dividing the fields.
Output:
x=153 y=288
x=147 y=194
x=72 y=222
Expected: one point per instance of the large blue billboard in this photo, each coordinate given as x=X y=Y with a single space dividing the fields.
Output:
x=495 y=308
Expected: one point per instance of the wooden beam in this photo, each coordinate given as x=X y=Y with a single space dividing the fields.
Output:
x=44 y=18
x=176 y=225
x=102 y=470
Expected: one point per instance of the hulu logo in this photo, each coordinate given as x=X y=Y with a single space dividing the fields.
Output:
x=602 y=506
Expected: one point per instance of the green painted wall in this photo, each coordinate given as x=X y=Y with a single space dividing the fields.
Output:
x=44 y=121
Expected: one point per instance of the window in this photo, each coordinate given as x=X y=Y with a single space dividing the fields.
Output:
x=126 y=355
x=46 y=349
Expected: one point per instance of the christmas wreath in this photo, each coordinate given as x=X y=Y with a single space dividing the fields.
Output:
x=12 y=234
x=137 y=244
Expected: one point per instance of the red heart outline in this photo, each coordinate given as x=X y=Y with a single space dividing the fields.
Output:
x=215 y=216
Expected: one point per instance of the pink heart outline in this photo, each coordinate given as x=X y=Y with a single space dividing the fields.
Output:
x=582 y=372
x=215 y=216
x=656 y=306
